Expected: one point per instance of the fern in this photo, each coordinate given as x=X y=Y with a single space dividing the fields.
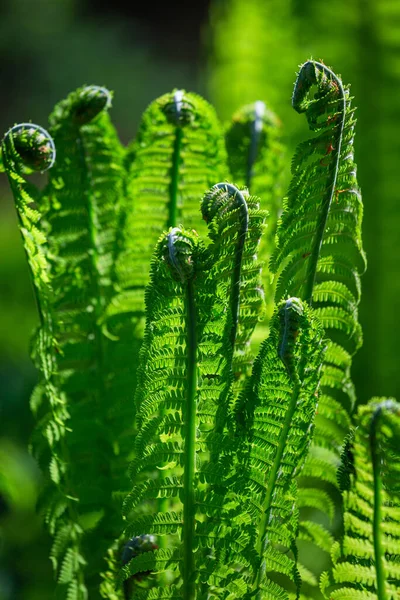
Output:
x=366 y=561
x=319 y=258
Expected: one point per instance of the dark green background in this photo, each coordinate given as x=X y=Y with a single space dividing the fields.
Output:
x=238 y=52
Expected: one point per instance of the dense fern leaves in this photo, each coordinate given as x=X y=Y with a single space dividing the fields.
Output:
x=366 y=561
x=177 y=155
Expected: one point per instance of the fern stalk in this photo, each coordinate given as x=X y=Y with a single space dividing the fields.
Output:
x=377 y=516
x=189 y=510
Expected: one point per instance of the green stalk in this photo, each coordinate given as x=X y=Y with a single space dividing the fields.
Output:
x=273 y=476
x=377 y=518
x=189 y=588
x=173 y=187
x=327 y=201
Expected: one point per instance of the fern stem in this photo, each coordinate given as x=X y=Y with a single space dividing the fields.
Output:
x=272 y=482
x=189 y=588
x=333 y=172
x=255 y=134
x=377 y=518
x=236 y=276
x=173 y=187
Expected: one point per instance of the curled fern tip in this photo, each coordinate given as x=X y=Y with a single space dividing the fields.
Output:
x=32 y=146
x=178 y=251
x=92 y=100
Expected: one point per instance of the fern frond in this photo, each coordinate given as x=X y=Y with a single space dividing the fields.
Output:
x=177 y=155
x=366 y=561
x=319 y=255
x=235 y=226
x=281 y=404
x=28 y=147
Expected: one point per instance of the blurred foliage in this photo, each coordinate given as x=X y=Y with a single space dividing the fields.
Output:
x=254 y=47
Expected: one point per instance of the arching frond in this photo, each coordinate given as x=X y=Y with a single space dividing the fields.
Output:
x=255 y=158
x=319 y=256
x=28 y=147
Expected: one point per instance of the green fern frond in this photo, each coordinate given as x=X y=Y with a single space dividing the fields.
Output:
x=177 y=155
x=28 y=147
x=319 y=257
x=366 y=561
x=281 y=404
x=235 y=226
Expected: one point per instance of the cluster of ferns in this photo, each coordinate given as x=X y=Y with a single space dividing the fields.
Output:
x=196 y=421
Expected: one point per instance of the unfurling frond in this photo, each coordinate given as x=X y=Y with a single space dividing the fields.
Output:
x=282 y=399
x=236 y=224
x=319 y=257
x=366 y=560
x=27 y=147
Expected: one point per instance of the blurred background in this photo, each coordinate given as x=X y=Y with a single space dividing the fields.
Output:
x=232 y=52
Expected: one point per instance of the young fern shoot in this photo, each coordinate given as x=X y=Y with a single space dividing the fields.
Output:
x=177 y=155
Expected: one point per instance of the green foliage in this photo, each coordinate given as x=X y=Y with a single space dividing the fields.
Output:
x=232 y=460
x=366 y=561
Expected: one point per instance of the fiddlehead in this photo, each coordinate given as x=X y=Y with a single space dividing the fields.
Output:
x=281 y=405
